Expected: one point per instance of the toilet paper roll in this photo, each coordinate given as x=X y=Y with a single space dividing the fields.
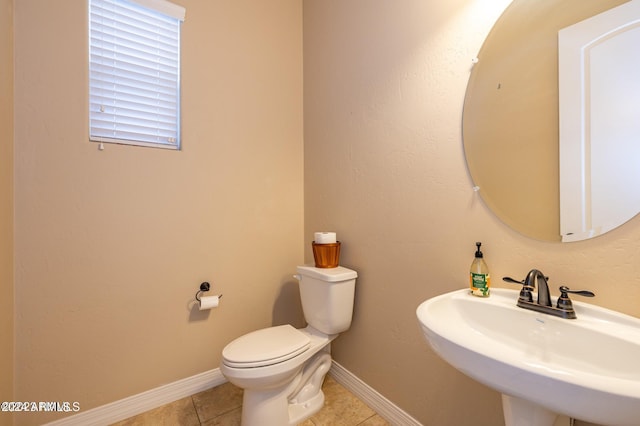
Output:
x=209 y=302
x=324 y=237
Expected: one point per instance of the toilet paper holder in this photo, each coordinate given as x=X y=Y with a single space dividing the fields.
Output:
x=204 y=287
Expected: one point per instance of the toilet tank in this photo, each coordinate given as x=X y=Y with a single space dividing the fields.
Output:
x=327 y=297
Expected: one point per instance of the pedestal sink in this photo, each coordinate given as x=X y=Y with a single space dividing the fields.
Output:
x=586 y=368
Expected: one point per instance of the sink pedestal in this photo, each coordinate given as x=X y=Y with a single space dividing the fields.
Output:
x=520 y=412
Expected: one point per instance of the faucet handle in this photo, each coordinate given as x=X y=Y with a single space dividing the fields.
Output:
x=523 y=282
x=564 y=290
x=525 y=293
x=564 y=302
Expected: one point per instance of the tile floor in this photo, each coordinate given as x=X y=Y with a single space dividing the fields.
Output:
x=222 y=406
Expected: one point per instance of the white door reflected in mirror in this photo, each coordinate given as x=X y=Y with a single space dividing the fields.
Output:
x=599 y=122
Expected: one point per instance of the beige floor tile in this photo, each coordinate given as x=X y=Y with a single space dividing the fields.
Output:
x=180 y=412
x=232 y=418
x=217 y=401
x=341 y=407
x=374 y=421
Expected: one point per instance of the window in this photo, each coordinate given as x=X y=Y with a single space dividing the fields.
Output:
x=134 y=72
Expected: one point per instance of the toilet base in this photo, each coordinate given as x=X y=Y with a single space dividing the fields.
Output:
x=277 y=411
x=291 y=404
x=302 y=411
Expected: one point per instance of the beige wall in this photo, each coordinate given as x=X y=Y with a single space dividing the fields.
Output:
x=112 y=245
x=6 y=205
x=384 y=167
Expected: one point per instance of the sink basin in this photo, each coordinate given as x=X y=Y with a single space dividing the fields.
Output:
x=586 y=368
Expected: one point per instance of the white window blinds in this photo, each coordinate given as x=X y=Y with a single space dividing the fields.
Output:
x=134 y=67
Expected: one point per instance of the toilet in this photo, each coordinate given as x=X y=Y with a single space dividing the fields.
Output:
x=281 y=369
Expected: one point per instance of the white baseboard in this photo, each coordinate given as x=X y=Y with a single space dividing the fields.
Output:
x=145 y=401
x=378 y=403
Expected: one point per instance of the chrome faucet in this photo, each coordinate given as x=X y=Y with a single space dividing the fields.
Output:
x=563 y=308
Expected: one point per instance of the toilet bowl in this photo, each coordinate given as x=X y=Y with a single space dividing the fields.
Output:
x=281 y=369
x=284 y=388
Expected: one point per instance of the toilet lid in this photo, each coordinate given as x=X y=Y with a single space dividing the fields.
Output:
x=265 y=347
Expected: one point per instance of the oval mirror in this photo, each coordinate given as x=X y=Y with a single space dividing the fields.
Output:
x=511 y=124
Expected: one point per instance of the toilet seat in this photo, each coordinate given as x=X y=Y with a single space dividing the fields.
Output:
x=265 y=347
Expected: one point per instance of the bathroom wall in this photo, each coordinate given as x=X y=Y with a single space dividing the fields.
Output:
x=385 y=168
x=111 y=246
x=6 y=205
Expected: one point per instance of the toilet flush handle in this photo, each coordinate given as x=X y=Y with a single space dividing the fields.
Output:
x=297 y=277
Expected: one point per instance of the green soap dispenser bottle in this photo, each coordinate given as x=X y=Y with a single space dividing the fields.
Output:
x=479 y=277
